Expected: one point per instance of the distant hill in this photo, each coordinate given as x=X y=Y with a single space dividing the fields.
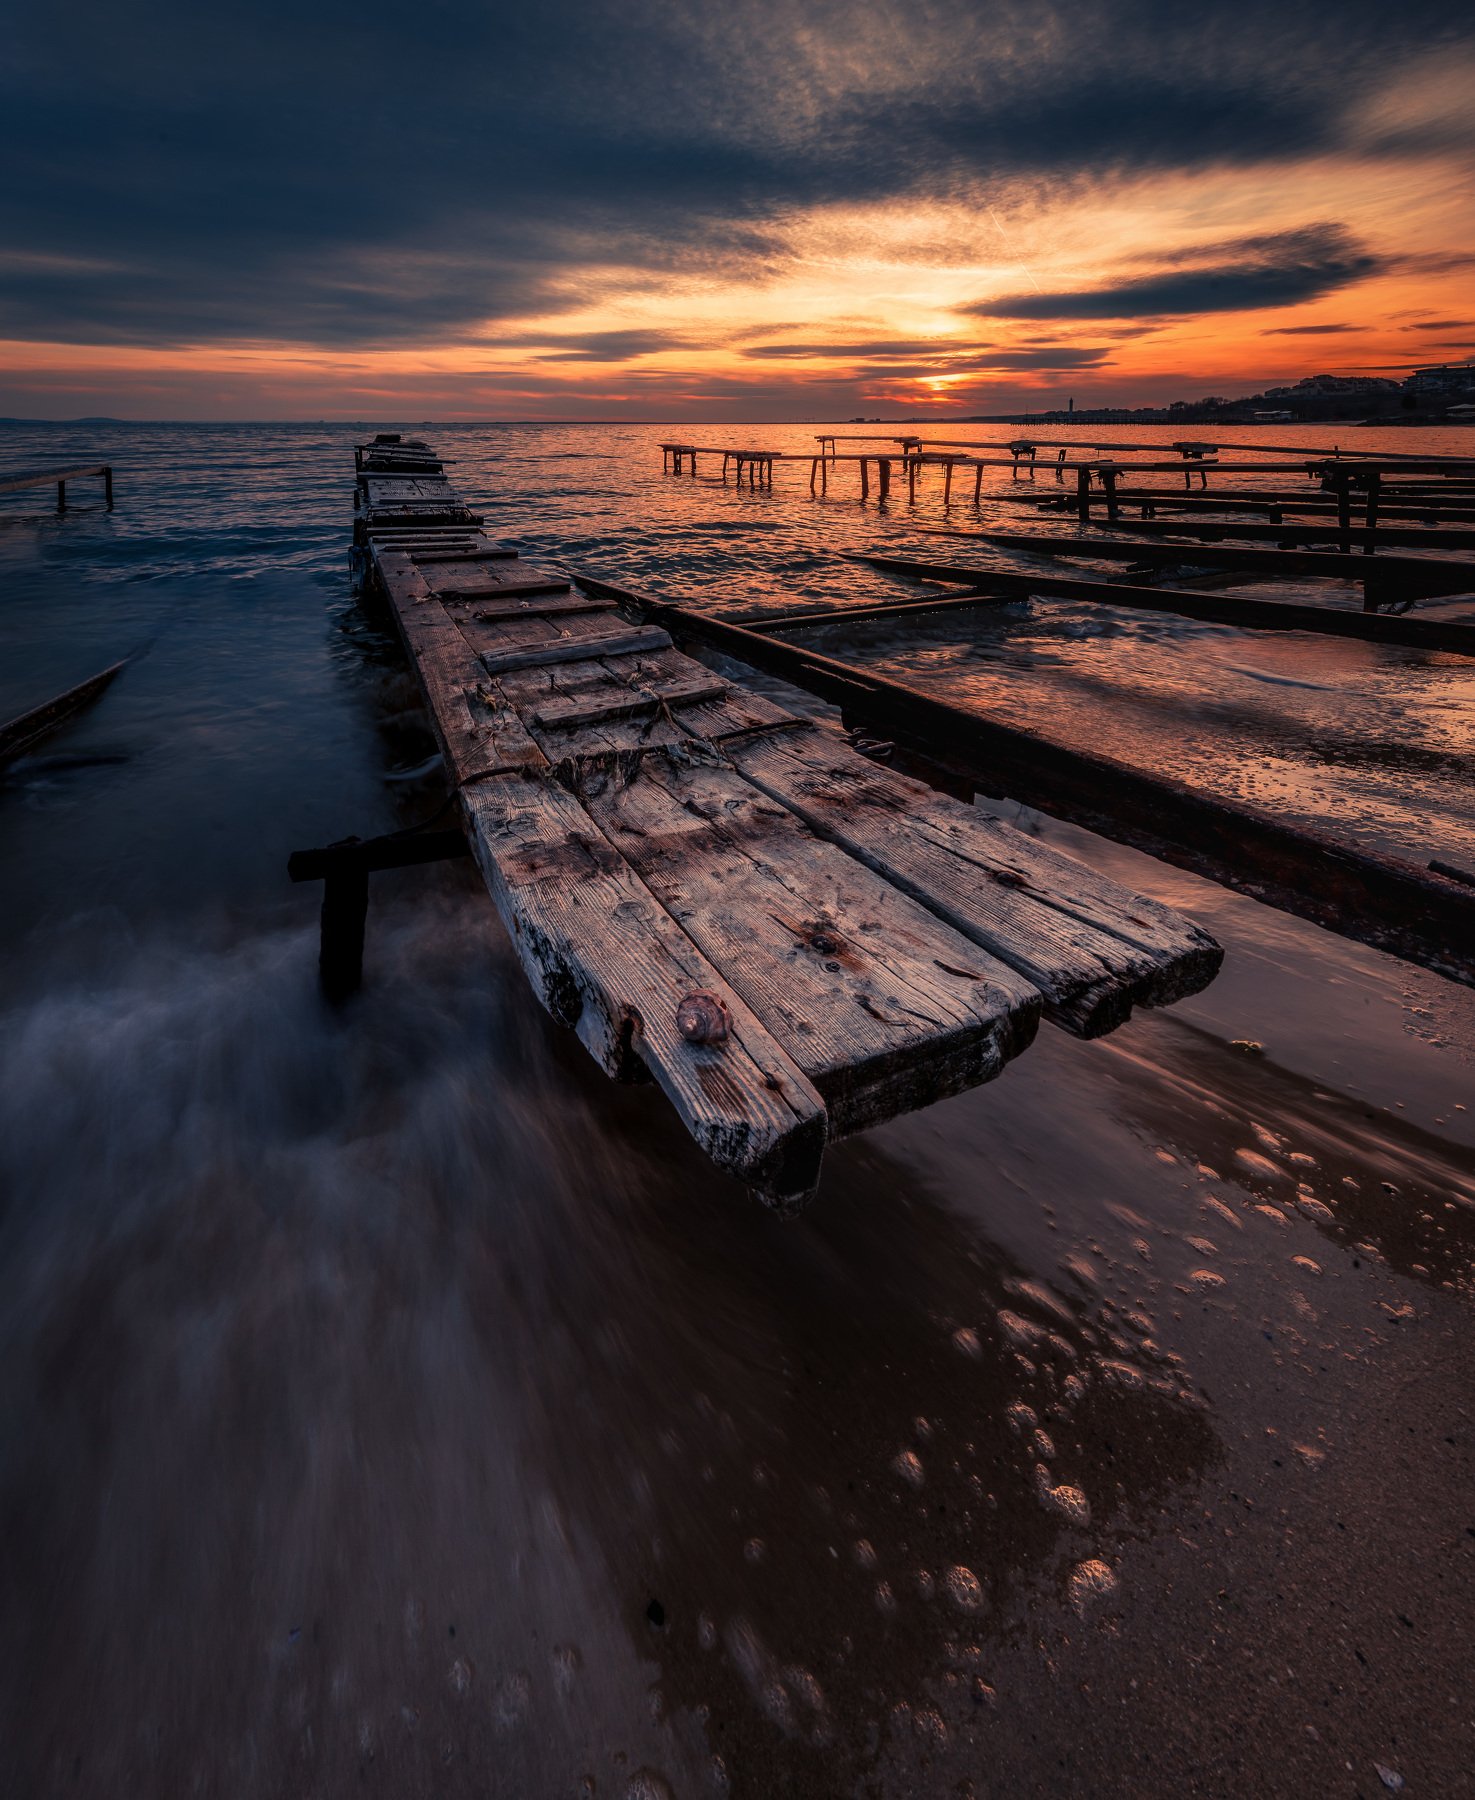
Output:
x=92 y=420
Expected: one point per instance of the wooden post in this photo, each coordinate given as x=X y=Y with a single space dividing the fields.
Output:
x=947 y=483
x=1083 y=495
x=61 y=496
x=883 y=472
x=977 y=483
x=865 y=481
x=911 y=463
x=341 y=950
x=824 y=478
x=1108 y=478
x=1374 y=488
x=814 y=463
x=1344 y=511
x=107 y=486
x=1060 y=465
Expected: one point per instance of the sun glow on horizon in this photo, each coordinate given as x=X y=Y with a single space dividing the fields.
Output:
x=1115 y=288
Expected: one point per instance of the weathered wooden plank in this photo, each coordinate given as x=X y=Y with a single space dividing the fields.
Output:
x=479 y=731
x=550 y=606
x=606 y=959
x=491 y=590
x=478 y=554
x=575 y=649
x=392 y=490
x=1093 y=948
x=634 y=702
x=732 y=712
x=884 y=1006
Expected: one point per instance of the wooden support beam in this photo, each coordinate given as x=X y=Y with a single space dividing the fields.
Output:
x=1405 y=537
x=1387 y=578
x=798 y=618
x=18 y=736
x=1219 y=609
x=344 y=869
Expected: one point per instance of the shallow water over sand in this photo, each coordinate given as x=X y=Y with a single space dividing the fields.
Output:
x=392 y=1403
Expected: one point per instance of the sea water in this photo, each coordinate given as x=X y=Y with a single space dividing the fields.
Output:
x=392 y=1401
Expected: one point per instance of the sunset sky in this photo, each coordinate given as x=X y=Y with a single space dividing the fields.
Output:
x=758 y=211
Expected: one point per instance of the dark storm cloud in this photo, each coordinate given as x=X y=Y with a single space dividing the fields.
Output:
x=344 y=174
x=1239 y=276
x=1310 y=330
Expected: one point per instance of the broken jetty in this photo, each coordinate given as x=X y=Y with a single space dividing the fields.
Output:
x=794 y=942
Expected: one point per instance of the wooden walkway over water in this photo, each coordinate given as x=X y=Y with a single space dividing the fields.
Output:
x=793 y=942
x=15 y=480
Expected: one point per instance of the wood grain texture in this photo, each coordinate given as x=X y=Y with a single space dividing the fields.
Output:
x=479 y=731
x=883 y=1006
x=605 y=958
x=575 y=649
x=1092 y=947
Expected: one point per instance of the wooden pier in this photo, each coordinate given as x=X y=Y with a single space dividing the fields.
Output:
x=714 y=893
x=13 y=482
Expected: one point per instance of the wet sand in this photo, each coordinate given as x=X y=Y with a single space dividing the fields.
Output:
x=393 y=1406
